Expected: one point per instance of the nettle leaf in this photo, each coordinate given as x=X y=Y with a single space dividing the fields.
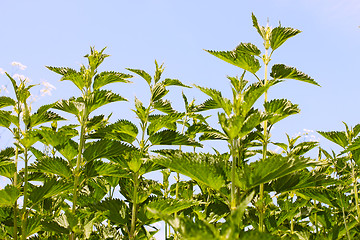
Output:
x=260 y=29
x=170 y=137
x=170 y=206
x=45 y=117
x=6 y=118
x=105 y=149
x=158 y=122
x=100 y=98
x=70 y=106
x=142 y=74
x=207 y=105
x=50 y=188
x=336 y=137
x=54 y=166
x=272 y=168
x=116 y=210
x=217 y=98
x=242 y=60
x=9 y=195
x=105 y=78
x=252 y=93
x=163 y=106
x=204 y=168
x=121 y=130
x=69 y=74
x=99 y=168
x=6 y=101
x=280 y=34
x=280 y=109
x=200 y=128
x=68 y=149
x=54 y=138
x=280 y=71
x=7 y=170
x=174 y=82
x=248 y=48
x=29 y=138
x=158 y=92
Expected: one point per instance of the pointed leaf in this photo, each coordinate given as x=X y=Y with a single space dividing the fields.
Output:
x=50 y=188
x=100 y=98
x=70 y=106
x=280 y=34
x=6 y=101
x=248 y=48
x=218 y=98
x=280 y=71
x=105 y=78
x=45 y=117
x=105 y=149
x=336 y=137
x=173 y=82
x=158 y=92
x=169 y=137
x=54 y=166
x=142 y=74
x=164 y=106
x=280 y=109
x=69 y=74
x=158 y=122
x=170 y=206
x=242 y=60
x=260 y=29
x=9 y=195
x=207 y=105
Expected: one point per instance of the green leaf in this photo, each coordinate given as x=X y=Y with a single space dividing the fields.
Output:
x=324 y=195
x=280 y=71
x=70 y=106
x=173 y=82
x=142 y=74
x=274 y=167
x=6 y=101
x=30 y=137
x=100 y=98
x=7 y=169
x=248 y=48
x=6 y=118
x=207 y=105
x=9 y=195
x=280 y=34
x=280 y=109
x=170 y=137
x=205 y=168
x=158 y=122
x=105 y=149
x=68 y=149
x=45 y=117
x=50 y=188
x=336 y=137
x=69 y=74
x=217 y=97
x=54 y=166
x=260 y=29
x=164 y=106
x=116 y=210
x=242 y=60
x=105 y=78
x=170 y=206
x=158 y=92
x=99 y=168
x=53 y=138
x=252 y=93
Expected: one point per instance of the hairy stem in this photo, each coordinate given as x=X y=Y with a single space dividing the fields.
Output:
x=24 y=211
x=134 y=208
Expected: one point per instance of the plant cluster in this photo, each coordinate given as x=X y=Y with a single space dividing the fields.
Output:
x=91 y=182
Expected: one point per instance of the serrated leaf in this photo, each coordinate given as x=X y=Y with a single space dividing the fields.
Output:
x=217 y=97
x=158 y=122
x=260 y=29
x=252 y=93
x=248 y=48
x=100 y=98
x=105 y=149
x=205 y=168
x=6 y=101
x=163 y=106
x=336 y=137
x=7 y=170
x=99 y=168
x=142 y=74
x=70 y=106
x=105 y=78
x=242 y=60
x=116 y=210
x=50 y=188
x=68 y=149
x=54 y=166
x=280 y=109
x=173 y=82
x=207 y=105
x=9 y=195
x=69 y=74
x=280 y=71
x=6 y=118
x=169 y=137
x=45 y=117
x=280 y=34
x=158 y=92
x=170 y=206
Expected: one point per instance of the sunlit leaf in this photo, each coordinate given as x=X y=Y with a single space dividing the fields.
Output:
x=142 y=74
x=105 y=78
x=6 y=101
x=105 y=149
x=280 y=34
x=170 y=137
x=50 y=188
x=164 y=106
x=248 y=48
x=100 y=98
x=336 y=137
x=9 y=195
x=69 y=74
x=173 y=82
x=280 y=109
x=54 y=166
x=280 y=71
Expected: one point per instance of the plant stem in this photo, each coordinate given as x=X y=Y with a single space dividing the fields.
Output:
x=264 y=153
x=233 y=169
x=134 y=208
x=15 y=184
x=24 y=211
x=355 y=190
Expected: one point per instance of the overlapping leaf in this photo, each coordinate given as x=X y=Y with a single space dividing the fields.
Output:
x=170 y=137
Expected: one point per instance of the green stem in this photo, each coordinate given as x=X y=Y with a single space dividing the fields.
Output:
x=233 y=169
x=134 y=209
x=78 y=164
x=15 y=184
x=264 y=153
x=355 y=182
x=24 y=211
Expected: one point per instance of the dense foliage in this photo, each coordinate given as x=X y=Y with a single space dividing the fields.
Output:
x=91 y=182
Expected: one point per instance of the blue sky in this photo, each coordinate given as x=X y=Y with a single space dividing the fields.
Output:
x=59 y=33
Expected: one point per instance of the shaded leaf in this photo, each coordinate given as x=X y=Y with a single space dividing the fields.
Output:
x=170 y=137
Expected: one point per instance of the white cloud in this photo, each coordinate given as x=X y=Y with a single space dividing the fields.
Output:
x=48 y=88
x=20 y=77
x=2 y=71
x=19 y=65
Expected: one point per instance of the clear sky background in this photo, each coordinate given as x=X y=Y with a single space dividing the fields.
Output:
x=58 y=33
